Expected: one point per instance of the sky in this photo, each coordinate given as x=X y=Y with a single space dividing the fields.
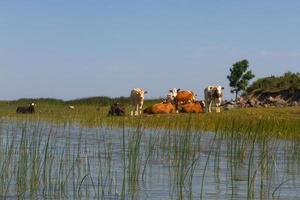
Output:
x=71 y=49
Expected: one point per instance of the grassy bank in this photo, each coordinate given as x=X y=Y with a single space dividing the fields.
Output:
x=275 y=122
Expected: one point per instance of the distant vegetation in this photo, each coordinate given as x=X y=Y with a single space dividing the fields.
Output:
x=97 y=100
x=289 y=83
x=50 y=101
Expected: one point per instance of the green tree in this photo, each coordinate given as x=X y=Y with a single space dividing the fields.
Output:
x=239 y=76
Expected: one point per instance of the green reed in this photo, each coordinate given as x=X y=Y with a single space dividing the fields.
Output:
x=38 y=157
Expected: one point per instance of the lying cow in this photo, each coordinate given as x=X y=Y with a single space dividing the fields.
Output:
x=26 y=109
x=137 y=97
x=116 y=110
x=213 y=94
x=194 y=107
x=179 y=97
x=160 y=108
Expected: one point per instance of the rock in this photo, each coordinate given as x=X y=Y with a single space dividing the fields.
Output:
x=271 y=99
x=229 y=106
x=294 y=103
x=280 y=102
x=250 y=103
x=240 y=102
x=230 y=103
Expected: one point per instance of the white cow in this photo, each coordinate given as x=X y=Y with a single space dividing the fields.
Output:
x=213 y=94
x=137 y=96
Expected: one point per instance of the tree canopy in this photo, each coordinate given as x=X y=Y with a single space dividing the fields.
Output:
x=239 y=77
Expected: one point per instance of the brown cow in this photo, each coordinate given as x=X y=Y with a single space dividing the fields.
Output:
x=193 y=107
x=160 y=108
x=179 y=97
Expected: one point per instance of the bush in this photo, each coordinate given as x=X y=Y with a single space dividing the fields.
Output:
x=288 y=82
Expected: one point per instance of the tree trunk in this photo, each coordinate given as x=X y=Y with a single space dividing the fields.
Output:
x=236 y=94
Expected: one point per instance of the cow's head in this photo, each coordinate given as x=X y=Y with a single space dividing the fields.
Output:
x=218 y=91
x=141 y=92
x=194 y=96
x=32 y=104
x=202 y=103
x=172 y=94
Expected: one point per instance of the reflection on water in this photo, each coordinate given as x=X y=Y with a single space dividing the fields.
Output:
x=40 y=160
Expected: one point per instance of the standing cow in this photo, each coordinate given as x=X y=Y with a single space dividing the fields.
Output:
x=179 y=97
x=213 y=94
x=137 y=97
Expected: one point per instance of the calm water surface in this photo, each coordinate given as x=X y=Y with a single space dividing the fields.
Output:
x=71 y=162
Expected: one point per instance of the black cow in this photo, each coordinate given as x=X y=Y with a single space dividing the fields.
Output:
x=116 y=110
x=26 y=109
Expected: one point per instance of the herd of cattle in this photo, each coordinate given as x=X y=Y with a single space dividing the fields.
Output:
x=177 y=100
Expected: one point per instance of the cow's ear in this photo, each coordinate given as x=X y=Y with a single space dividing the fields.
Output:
x=222 y=88
x=170 y=90
x=145 y=92
x=178 y=89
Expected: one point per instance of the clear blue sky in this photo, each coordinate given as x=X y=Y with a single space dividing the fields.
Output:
x=71 y=49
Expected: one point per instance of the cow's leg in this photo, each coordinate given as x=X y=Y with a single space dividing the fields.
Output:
x=209 y=106
x=140 y=108
x=206 y=105
x=218 y=104
x=218 y=109
x=136 y=112
x=132 y=109
x=176 y=105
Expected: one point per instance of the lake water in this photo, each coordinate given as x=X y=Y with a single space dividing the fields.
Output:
x=40 y=160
